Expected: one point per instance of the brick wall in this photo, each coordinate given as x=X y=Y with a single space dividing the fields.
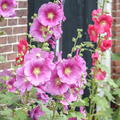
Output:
x=15 y=29
x=116 y=37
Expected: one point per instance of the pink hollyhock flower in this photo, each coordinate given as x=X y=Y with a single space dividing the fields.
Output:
x=57 y=32
x=22 y=47
x=10 y=85
x=68 y=71
x=37 y=53
x=39 y=31
x=36 y=113
x=73 y=118
x=106 y=44
x=55 y=86
x=93 y=33
x=21 y=83
x=96 y=14
x=104 y=23
x=37 y=71
x=7 y=8
x=100 y=75
x=95 y=57
x=50 y=14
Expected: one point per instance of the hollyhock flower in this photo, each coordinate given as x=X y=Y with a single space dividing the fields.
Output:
x=10 y=85
x=104 y=23
x=37 y=53
x=57 y=32
x=93 y=33
x=68 y=71
x=37 y=71
x=40 y=32
x=7 y=8
x=50 y=14
x=36 y=113
x=95 y=57
x=100 y=75
x=21 y=83
x=22 y=47
x=106 y=44
x=96 y=14
x=55 y=86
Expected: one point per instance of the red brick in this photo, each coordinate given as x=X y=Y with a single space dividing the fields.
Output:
x=8 y=31
x=3 y=23
x=115 y=69
x=116 y=63
x=6 y=48
x=22 y=37
x=15 y=48
x=21 y=13
x=5 y=65
x=11 y=56
x=22 y=4
x=115 y=76
x=3 y=40
x=12 y=22
x=22 y=21
x=17 y=30
x=12 y=39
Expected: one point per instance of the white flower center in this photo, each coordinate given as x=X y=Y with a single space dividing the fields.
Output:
x=36 y=71
x=67 y=71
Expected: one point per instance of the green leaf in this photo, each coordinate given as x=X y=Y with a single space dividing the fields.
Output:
x=8 y=98
x=20 y=115
x=116 y=56
x=2 y=59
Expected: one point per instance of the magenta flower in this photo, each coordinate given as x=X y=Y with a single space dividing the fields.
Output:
x=93 y=33
x=100 y=75
x=36 y=113
x=73 y=118
x=7 y=8
x=37 y=71
x=57 y=32
x=37 y=53
x=39 y=32
x=10 y=85
x=50 y=14
x=55 y=86
x=21 y=83
x=72 y=70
